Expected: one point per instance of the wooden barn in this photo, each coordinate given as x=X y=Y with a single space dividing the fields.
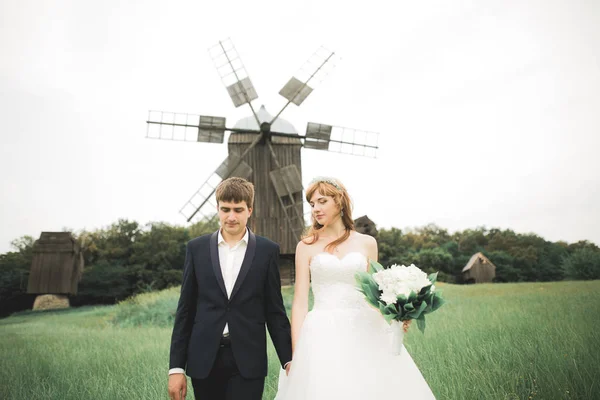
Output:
x=366 y=226
x=57 y=264
x=479 y=269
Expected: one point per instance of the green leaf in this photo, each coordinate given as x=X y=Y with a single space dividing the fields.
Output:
x=425 y=297
x=409 y=307
x=370 y=299
x=412 y=297
x=429 y=299
x=389 y=318
x=401 y=299
x=401 y=313
x=373 y=289
x=365 y=286
x=433 y=277
x=374 y=267
x=417 y=312
x=370 y=296
x=425 y=289
x=438 y=301
x=421 y=323
x=428 y=309
x=361 y=277
x=391 y=308
x=368 y=287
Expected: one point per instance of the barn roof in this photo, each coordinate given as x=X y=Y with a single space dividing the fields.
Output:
x=364 y=219
x=473 y=259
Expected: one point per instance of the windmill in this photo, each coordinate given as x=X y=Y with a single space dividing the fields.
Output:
x=262 y=148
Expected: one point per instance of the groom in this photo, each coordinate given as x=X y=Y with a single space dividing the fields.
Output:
x=231 y=288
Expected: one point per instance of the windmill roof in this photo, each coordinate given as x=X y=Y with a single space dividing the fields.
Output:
x=473 y=259
x=280 y=125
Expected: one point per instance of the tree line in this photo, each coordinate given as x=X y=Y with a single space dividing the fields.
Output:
x=127 y=258
x=517 y=257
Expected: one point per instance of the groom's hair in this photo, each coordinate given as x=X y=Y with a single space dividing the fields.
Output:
x=236 y=190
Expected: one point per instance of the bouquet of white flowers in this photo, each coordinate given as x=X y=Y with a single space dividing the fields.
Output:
x=400 y=293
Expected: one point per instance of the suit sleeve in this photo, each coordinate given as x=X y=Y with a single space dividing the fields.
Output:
x=186 y=312
x=277 y=320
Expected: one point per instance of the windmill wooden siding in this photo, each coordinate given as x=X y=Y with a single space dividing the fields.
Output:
x=479 y=269
x=57 y=264
x=268 y=217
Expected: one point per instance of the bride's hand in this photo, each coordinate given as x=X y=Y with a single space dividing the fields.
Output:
x=406 y=325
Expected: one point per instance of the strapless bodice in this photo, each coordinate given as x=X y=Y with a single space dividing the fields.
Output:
x=333 y=283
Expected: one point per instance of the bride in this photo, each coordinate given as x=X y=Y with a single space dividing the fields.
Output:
x=341 y=349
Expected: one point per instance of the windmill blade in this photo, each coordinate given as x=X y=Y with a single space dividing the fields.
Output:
x=341 y=140
x=185 y=127
x=233 y=74
x=202 y=200
x=287 y=183
x=310 y=75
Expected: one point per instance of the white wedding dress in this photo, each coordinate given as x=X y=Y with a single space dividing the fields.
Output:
x=344 y=348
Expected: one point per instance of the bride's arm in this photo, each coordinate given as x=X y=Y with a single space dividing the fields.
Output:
x=301 y=287
x=371 y=245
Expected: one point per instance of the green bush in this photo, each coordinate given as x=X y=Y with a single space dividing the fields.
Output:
x=583 y=264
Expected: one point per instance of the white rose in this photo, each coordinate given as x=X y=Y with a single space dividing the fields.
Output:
x=388 y=297
x=402 y=288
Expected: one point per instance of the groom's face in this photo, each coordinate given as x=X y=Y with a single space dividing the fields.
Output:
x=234 y=217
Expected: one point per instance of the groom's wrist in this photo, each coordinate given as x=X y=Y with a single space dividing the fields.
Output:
x=176 y=371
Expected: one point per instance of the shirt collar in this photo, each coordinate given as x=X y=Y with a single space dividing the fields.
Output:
x=220 y=238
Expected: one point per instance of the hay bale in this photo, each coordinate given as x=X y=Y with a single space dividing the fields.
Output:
x=51 y=302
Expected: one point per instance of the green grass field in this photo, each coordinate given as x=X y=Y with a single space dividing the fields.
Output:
x=501 y=341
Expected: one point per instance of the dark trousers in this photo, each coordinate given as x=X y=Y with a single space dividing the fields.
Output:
x=225 y=382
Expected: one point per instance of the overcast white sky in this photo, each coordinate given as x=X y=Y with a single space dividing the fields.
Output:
x=488 y=110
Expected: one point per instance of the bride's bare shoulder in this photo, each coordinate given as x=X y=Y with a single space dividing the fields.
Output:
x=366 y=240
x=306 y=249
x=305 y=244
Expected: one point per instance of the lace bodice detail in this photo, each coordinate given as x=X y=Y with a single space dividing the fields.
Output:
x=333 y=283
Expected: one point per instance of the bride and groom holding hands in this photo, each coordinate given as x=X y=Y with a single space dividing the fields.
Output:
x=231 y=290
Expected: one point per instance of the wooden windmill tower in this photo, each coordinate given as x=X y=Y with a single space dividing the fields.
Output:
x=264 y=149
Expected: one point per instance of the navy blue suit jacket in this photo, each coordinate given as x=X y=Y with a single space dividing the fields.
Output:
x=204 y=308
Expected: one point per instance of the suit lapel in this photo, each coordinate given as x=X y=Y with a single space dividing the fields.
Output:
x=214 y=257
x=246 y=264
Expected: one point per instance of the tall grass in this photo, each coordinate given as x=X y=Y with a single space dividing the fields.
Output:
x=501 y=341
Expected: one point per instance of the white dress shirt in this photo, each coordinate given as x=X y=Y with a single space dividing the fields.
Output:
x=230 y=260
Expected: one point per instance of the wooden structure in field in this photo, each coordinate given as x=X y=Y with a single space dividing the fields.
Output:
x=269 y=216
x=365 y=225
x=479 y=269
x=262 y=148
x=57 y=264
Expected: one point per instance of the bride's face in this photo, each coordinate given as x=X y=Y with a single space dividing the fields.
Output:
x=324 y=209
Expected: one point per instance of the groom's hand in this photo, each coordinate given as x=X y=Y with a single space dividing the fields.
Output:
x=287 y=368
x=177 y=386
